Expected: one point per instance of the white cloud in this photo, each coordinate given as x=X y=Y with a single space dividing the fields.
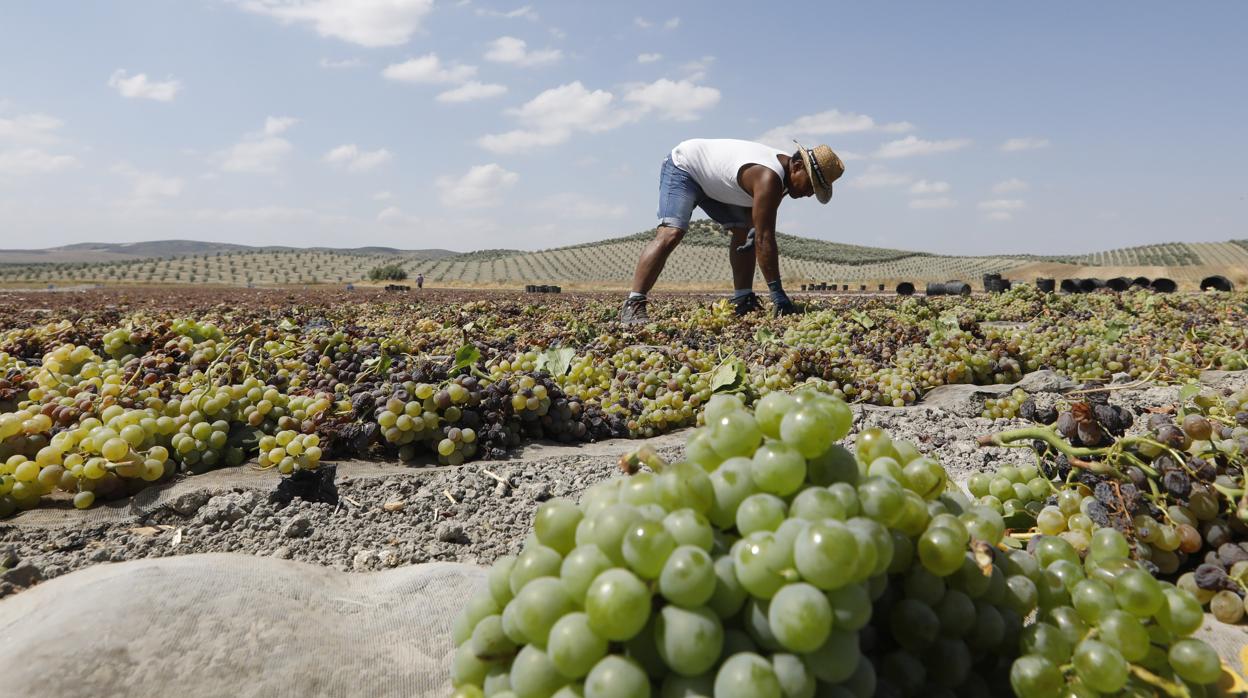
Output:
x=332 y=64
x=578 y=207
x=1027 y=143
x=140 y=87
x=259 y=153
x=649 y=57
x=383 y=196
x=525 y=12
x=642 y=22
x=554 y=115
x=393 y=215
x=674 y=101
x=878 y=177
x=831 y=122
x=513 y=51
x=354 y=160
x=913 y=145
x=148 y=187
x=275 y=125
x=925 y=187
x=428 y=69
x=672 y=23
x=30 y=128
x=369 y=23
x=1009 y=185
x=32 y=161
x=1002 y=205
x=999 y=216
x=471 y=91
x=478 y=188
x=934 y=202
x=696 y=70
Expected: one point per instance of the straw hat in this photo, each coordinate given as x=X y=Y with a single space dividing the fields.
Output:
x=823 y=167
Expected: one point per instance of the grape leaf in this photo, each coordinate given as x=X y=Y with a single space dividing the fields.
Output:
x=288 y=325
x=244 y=436
x=765 y=336
x=556 y=362
x=1113 y=331
x=862 y=319
x=466 y=357
x=728 y=376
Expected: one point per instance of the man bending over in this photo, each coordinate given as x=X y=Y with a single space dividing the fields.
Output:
x=740 y=185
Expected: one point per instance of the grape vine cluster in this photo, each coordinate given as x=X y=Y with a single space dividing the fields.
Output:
x=776 y=563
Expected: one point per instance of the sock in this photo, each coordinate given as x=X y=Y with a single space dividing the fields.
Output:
x=740 y=293
x=777 y=292
x=633 y=295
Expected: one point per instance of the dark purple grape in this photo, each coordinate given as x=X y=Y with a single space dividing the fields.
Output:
x=1067 y=426
x=1230 y=553
x=1171 y=436
x=1176 y=483
x=1212 y=578
x=1090 y=433
x=1197 y=427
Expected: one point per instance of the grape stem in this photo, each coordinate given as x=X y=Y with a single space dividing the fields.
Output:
x=1170 y=688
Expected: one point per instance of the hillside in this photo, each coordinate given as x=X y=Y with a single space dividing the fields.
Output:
x=701 y=261
x=96 y=252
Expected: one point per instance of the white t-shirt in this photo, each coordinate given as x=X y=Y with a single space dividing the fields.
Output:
x=714 y=163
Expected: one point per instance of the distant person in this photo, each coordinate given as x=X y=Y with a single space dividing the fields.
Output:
x=420 y=280
x=740 y=185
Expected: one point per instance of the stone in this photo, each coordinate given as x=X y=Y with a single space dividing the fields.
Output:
x=23 y=575
x=450 y=532
x=298 y=527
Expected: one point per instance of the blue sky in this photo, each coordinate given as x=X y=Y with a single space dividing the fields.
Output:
x=967 y=127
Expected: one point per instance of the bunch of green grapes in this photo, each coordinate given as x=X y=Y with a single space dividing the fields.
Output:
x=1011 y=489
x=1006 y=406
x=119 y=343
x=1104 y=625
x=774 y=562
x=289 y=451
x=407 y=423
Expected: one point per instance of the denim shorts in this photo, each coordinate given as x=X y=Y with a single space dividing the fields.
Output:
x=679 y=193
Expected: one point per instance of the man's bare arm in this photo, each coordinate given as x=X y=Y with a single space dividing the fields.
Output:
x=768 y=192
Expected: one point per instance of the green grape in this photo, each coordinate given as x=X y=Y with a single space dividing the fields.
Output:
x=538 y=605
x=851 y=607
x=837 y=659
x=746 y=675
x=796 y=681
x=729 y=595
x=760 y=563
x=734 y=434
x=914 y=624
x=1034 y=676
x=535 y=561
x=1022 y=595
x=940 y=551
x=816 y=504
x=689 y=640
x=1100 y=666
x=579 y=569
x=617 y=604
x=1124 y=632
x=646 y=547
x=1180 y=614
x=732 y=483
x=770 y=410
x=555 y=524
x=882 y=499
x=800 y=616
x=688 y=577
x=1046 y=640
x=956 y=614
x=826 y=554
x=1093 y=599
x=760 y=512
x=835 y=465
x=489 y=642
x=809 y=430
x=688 y=527
x=778 y=468
x=1138 y=592
x=533 y=674
x=573 y=647
x=1108 y=543
x=1195 y=661
x=617 y=677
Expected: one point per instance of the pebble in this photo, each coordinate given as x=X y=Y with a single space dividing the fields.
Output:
x=298 y=527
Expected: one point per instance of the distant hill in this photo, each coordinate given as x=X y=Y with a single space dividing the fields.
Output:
x=700 y=261
x=169 y=249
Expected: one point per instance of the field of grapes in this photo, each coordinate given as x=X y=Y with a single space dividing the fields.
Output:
x=700 y=263
x=791 y=547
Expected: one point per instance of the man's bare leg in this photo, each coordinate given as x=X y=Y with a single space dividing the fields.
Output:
x=742 y=261
x=654 y=257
